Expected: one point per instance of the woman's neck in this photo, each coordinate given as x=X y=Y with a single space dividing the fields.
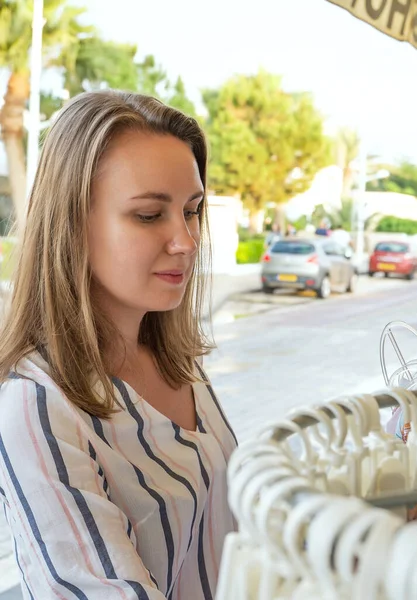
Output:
x=126 y=356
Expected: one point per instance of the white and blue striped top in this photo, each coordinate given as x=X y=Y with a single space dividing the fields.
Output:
x=134 y=507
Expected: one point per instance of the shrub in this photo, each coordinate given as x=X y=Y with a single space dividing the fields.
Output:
x=7 y=247
x=250 y=251
x=396 y=225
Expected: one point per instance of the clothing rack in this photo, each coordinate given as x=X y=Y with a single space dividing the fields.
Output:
x=408 y=499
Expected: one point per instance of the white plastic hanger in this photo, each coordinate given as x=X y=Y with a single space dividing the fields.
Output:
x=298 y=543
x=401 y=564
x=391 y=465
x=322 y=535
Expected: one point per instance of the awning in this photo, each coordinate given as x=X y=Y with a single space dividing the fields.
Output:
x=396 y=18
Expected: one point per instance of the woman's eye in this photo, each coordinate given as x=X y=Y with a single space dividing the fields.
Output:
x=189 y=214
x=148 y=218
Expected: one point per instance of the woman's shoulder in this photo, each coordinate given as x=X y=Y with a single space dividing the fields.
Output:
x=28 y=386
x=32 y=368
x=35 y=414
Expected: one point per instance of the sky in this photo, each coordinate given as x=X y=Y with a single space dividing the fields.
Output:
x=358 y=76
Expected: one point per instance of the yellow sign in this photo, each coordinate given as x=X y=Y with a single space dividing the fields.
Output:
x=396 y=18
x=385 y=266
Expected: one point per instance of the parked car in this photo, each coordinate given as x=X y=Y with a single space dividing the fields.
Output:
x=393 y=257
x=318 y=264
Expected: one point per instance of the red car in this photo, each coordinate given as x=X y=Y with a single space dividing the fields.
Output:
x=393 y=257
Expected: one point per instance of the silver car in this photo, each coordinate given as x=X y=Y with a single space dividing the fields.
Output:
x=318 y=264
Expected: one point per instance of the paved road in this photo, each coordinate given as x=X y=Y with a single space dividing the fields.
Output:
x=306 y=353
x=12 y=594
x=300 y=350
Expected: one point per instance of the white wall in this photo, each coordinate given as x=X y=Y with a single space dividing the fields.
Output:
x=223 y=212
x=393 y=204
x=3 y=160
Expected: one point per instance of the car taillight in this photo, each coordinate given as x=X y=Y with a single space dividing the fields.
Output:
x=313 y=259
x=266 y=258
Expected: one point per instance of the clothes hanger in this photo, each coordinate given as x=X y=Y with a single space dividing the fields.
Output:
x=384 y=399
x=280 y=508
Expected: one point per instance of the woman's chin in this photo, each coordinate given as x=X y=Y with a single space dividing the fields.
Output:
x=162 y=304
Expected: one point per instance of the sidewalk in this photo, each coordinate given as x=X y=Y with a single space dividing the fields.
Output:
x=363 y=264
x=243 y=278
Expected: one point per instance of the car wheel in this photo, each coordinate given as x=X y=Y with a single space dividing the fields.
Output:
x=267 y=290
x=386 y=275
x=410 y=276
x=353 y=283
x=324 y=290
x=371 y=273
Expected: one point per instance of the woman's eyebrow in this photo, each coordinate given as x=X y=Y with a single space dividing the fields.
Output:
x=163 y=197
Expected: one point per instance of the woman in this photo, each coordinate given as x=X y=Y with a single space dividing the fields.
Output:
x=113 y=447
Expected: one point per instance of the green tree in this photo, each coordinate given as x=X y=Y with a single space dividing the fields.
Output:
x=342 y=217
x=95 y=62
x=337 y=217
x=266 y=144
x=178 y=98
x=319 y=215
x=98 y=63
x=153 y=80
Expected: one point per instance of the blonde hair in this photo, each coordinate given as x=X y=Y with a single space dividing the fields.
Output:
x=52 y=306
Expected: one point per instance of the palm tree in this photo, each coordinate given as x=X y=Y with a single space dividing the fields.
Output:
x=61 y=31
x=347 y=145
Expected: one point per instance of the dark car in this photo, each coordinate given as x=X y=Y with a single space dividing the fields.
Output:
x=393 y=258
x=317 y=264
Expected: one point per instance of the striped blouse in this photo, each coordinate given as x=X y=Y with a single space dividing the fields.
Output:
x=127 y=508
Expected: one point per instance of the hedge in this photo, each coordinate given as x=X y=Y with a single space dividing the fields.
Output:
x=7 y=246
x=396 y=225
x=250 y=251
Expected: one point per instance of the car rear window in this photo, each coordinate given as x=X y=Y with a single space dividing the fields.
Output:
x=391 y=247
x=292 y=248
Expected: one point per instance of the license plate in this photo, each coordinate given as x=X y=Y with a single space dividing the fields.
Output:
x=291 y=278
x=385 y=266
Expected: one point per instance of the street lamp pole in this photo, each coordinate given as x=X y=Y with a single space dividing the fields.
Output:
x=360 y=203
x=34 y=101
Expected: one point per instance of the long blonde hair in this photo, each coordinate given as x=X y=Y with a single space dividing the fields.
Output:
x=52 y=307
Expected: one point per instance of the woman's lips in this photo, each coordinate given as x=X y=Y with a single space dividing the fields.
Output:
x=172 y=277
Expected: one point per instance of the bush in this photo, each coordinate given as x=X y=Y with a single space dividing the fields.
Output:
x=396 y=225
x=250 y=251
x=7 y=247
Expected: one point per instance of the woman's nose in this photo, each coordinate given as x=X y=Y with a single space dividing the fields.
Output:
x=184 y=239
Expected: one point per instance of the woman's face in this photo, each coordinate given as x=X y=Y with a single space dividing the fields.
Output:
x=144 y=225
